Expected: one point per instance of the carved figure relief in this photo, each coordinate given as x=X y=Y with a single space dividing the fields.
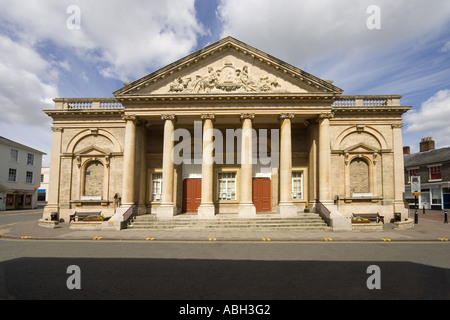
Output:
x=225 y=79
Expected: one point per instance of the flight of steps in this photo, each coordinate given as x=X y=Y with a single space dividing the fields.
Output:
x=303 y=221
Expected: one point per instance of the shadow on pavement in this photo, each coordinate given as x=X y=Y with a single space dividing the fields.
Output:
x=181 y=279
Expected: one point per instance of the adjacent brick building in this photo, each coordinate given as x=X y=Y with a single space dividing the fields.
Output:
x=433 y=167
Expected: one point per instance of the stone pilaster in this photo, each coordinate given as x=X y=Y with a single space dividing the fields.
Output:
x=324 y=158
x=55 y=172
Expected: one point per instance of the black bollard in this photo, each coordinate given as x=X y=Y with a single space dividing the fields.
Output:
x=445 y=217
x=423 y=208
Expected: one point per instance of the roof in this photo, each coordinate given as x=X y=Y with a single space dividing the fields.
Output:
x=17 y=145
x=427 y=157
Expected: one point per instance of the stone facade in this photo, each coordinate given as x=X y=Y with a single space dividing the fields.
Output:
x=259 y=134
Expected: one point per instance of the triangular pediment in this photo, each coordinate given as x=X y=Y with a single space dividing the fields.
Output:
x=360 y=148
x=228 y=66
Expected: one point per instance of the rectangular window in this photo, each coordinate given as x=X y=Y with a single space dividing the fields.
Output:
x=227 y=186
x=156 y=186
x=435 y=173
x=30 y=159
x=412 y=173
x=12 y=175
x=297 y=185
x=29 y=177
x=436 y=196
x=42 y=178
x=14 y=155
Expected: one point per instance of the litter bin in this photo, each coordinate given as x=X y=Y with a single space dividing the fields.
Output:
x=54 y=216
x=397 y=216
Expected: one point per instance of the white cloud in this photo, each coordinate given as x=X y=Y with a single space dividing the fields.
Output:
x=23 y=89
x=330 y=38
x=130 y=37
x=432 y=118
x=446 y=47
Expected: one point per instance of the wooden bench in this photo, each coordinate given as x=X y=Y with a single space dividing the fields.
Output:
x=77 y=215
x=371 y=216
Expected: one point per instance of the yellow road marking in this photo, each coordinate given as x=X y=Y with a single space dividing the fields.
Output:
x=327 y=239
x=386 y=239
x=443 y=239
x=97 y=238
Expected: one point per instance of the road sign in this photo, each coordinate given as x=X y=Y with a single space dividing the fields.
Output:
x=415 y=186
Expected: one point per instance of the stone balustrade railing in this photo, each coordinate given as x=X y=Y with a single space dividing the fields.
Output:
x=112 y=103
x=87 y=103
x=367 y=101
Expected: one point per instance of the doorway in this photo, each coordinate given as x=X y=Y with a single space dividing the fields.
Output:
x=192 y=195
x=262 y=194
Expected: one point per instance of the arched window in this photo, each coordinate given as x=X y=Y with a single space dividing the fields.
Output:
x=359 y=176
x=93 y=179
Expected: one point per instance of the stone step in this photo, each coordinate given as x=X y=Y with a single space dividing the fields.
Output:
x=309 y=221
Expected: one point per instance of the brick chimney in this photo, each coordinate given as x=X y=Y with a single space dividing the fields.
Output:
x=426 y=144
x=406 y=150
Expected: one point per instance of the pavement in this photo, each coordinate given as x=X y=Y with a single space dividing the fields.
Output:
x=430 y=227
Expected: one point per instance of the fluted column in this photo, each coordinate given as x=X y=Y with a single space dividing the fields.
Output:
x=129 y=157
x=286 y=207
x=246 y=206
x=324 y=158
x=167 y=209
x=206 y=208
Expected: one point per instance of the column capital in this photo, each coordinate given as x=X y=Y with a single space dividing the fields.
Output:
x=171 y=117
x=289 y=116
x=208 y=116
x=326 y=115
x=398 y=125
x=55 y=129
x=250 y=116
x=129 y=117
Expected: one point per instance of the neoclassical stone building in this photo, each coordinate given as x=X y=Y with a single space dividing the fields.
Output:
x=228 y=129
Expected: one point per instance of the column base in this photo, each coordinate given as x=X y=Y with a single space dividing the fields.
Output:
x=247 y=210
x=206 y=211
x=166 y=211
x=48 y=209
x=287 y=209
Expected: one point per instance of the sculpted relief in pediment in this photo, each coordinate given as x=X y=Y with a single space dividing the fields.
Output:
x=226 y=79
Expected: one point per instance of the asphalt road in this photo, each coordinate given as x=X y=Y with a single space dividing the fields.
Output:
x=224 y=272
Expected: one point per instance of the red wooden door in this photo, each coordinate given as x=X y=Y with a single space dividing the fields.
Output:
x=192 y=195
x=261 y=194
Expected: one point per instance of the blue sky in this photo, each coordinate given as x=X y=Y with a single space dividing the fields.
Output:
x=42 y=57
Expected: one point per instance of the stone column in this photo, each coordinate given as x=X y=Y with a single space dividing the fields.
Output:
x=246 y=206
x=206 y=209
x=324 y=158
x=286 y=207
x=167 y=209
x=55 y=168
x=129 y=157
